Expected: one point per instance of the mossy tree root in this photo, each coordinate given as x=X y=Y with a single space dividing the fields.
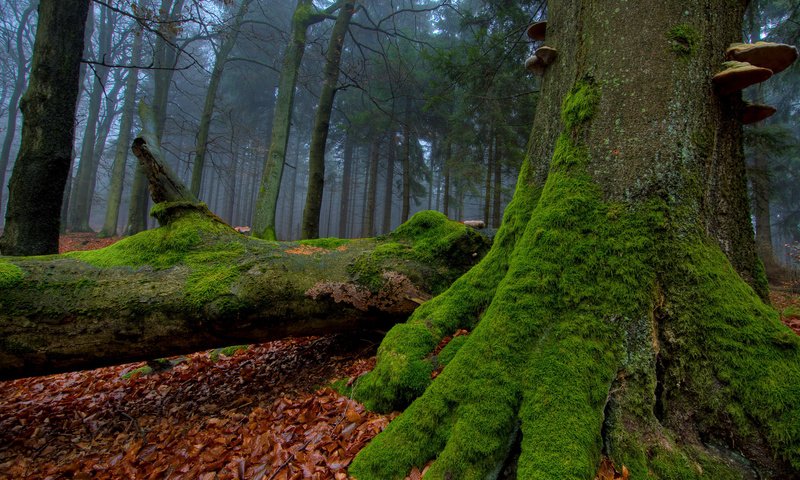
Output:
x=612 y=331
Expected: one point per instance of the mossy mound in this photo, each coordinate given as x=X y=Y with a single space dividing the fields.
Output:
x=427 y=248
x=193 y=239
x=10 y=275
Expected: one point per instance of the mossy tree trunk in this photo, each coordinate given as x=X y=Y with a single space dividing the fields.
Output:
x=305 y=15
x=37 y=182
x=607 y=318
x=322 y=120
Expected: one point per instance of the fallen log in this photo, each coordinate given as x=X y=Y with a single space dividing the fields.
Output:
x=196 y=283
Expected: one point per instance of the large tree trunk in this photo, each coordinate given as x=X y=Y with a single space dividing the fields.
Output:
x=37 y=183
x=388 y=185
x=322 y=120
x=607 y=318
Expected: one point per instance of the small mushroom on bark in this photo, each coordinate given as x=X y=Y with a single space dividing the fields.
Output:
x=540 y=60
x=537 y=31
x=739 y=75
x=774 y=56
x=755 y=112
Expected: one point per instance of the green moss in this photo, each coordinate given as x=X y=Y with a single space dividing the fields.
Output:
x=10 y=274
x=227 y=351
x=138 y=372
x=580 y=104
x=193 y=240
x=683 y=40
x=450 y=350
x=427 y=249
x=732 y=350
x=326 y=243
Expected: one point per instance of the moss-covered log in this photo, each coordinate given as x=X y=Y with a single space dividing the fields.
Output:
x=196 y=283
x=619 y=311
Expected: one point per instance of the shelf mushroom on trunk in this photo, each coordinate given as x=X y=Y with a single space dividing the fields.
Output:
x=774 y=56
x=541 y=59
x=755 y=112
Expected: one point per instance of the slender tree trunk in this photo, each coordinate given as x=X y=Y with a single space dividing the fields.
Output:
x=16 y=94
x=228 y=42
x=82 y=191
x=372 y=188
x=346 y=186
x=319 y=136
x=388 y=186
x=487 y=184
x=497 y=207
x=406 y=164
x=48 y=106
x=446 y=168
x=165 y=58
x=267 y=201
x=121 y=154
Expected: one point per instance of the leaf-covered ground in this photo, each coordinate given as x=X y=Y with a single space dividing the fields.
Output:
x=263 y=412
x=259 y=414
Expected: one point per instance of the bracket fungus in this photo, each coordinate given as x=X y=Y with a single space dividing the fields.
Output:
x=774 y=56
x=739 y=75
x=541 y=59
x=537 y=31
x=755 y=112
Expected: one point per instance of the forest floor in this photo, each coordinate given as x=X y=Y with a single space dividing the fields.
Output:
x=260 y=412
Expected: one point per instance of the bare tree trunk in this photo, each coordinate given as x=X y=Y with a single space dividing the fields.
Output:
x=82 y=190
x=319 y=135
x=388 y=186
x=372 y=188
x=497 y=213
x=487 y=184
x=346 y=186
x=446 y=168
x=267 y=202
x=224 y=51
x=16 y=94
x=37 y=182
x=121 y=154
x=406 y=164
x=165 y=59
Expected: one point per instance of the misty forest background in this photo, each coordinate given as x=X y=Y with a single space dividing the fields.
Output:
x=433 y=110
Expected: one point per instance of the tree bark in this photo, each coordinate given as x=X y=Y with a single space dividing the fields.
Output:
x=322 y=119
x=406 y=165
x=37 y=183
x=607 y=318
